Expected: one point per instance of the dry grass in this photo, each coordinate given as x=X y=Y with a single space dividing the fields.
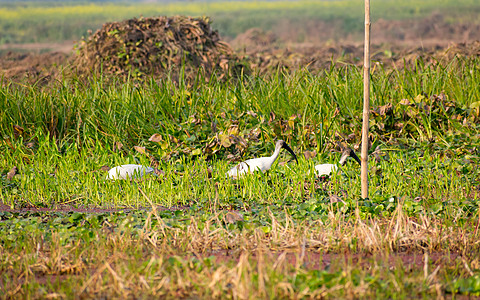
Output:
x=346 y=257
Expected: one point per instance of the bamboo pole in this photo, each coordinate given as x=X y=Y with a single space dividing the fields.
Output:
x=366 y=102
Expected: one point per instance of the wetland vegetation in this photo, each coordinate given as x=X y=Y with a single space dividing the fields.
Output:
x=191 y=232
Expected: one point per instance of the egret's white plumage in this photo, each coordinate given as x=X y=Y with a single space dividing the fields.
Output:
x=259 y=164
x=327 y=169
x=129 y=172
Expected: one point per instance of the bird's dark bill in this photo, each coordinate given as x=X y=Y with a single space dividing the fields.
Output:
x=355 y=157
x=346 y=154
x=285 y=146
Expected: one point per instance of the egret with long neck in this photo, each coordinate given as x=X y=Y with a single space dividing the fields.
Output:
x=259 y=164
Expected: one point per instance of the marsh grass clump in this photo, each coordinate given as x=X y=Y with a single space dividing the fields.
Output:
x=158 y=46
x=198 y=255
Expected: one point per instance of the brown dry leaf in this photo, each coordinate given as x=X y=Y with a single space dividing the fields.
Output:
x=398 y=126
x=231 y=156
x=105 y=168
x=405 y=102
x=336 y=112
x=351 y=137
x=291 y=121
x=223 y=64
x=173 y=139
x=17 y=130
x=272 y=117
x=117 y=146
x=156 y=138
x=418 y=199
x=153 y=161
x=140 y=149
x=233 y=130
x=335 y=199
x=12 y=173
x=251 y=113
x=384 y=109
x=309 y=154
x=475 y=264
x=233 y=217
x=254 y=134
x=225 y=140
x=440 y=97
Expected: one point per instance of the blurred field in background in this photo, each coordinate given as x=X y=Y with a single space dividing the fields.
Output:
x=294 y=21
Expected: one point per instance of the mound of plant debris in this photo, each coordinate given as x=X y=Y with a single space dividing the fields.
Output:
x=159 y=46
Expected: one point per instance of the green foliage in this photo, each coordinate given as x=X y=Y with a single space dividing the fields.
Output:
x=469 y=286
x=60 y=135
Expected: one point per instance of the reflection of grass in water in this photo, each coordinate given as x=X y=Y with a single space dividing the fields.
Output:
x=36 y=23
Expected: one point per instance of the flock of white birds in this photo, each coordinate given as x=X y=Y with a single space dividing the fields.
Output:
x=263 y=164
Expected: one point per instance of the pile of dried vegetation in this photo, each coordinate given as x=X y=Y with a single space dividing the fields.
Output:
x=158 y=46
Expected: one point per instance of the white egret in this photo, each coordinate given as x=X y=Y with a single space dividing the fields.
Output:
x=327 y=169
x=129 y=172
x=259 y=164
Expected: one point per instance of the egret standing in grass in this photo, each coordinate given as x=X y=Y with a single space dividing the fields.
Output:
x=327 y=169
x=129 y=172
x=259 y=164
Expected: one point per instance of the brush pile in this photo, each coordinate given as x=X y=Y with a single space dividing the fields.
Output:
x=158 y=46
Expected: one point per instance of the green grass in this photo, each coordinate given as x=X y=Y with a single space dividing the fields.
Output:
x=48 y=22
x=75 y=126
x=423 y=189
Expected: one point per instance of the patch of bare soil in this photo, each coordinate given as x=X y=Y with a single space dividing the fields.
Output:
x=316 y=58
x=64 y=47
x=32 y=67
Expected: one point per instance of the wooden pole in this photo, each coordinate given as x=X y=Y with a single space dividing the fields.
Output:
x=366 y=102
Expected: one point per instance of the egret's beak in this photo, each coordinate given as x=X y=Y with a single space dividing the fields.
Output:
x=349 y=152
x=286 y=147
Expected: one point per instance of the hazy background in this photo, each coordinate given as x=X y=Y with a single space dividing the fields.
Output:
x=56 y=25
